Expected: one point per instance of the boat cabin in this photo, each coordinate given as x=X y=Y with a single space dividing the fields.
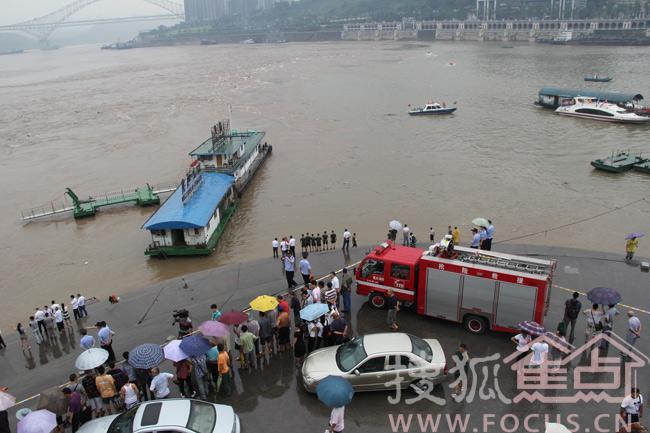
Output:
x=432 y=106
x=551 y=97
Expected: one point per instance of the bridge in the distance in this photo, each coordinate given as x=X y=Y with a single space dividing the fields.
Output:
x=42 y=27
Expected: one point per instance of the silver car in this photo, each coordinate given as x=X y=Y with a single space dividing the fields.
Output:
x=378 y=362
x=169 y=416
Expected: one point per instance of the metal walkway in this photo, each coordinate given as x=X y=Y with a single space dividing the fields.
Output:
x=146 y=196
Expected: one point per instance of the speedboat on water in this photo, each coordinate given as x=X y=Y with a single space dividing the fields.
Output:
x=597 y=79
x=432 y=108
x=591 y=108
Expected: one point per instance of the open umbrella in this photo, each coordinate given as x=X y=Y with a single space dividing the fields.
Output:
x=552 y=427
x=38 y=421
x=604 y=296
x=173 y=351
x=146 y=356
x=91 y=358
x=313 y=311
x=212 y=328
x=195 y=345
x=335 y=391
x=532 y=328
x=481 y=222
x=635 y=235
x=264 y=303
x=6 y=400
x=559 y=341
x=395 y=225
x=233 y=317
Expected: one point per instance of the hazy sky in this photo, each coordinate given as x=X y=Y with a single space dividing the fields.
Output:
x=14 y=11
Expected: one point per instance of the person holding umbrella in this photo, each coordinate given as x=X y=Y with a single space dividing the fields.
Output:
x=335 y=392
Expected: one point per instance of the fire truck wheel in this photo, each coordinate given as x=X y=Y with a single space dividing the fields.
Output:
x=475 y=324
x=377 y=300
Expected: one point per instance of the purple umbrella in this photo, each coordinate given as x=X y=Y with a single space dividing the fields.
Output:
x=195 y=345
x=212 y=328
x=38 y=421
x=604 y=296
x=635 y=235
x=532 y=328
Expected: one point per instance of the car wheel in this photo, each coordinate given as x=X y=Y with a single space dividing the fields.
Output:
x=377 y=300
x=475 y=324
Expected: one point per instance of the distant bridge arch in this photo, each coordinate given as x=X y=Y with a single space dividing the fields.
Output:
x=42 y=27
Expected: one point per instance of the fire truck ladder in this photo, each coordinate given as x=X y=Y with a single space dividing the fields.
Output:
x=484 y=258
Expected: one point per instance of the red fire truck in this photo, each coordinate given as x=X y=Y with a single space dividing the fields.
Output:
x=480 y=289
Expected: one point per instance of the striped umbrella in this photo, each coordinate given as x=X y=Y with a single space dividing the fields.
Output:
x=146 y=356
x=559 y=341
x=604 y=296
x=195 y=345
x=532 y=328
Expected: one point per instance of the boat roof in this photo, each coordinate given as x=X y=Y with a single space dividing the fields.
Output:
x=614 y=97
x=198 y=210
x=228 y=145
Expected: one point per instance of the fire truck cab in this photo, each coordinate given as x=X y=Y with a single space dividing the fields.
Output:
x=480 y=289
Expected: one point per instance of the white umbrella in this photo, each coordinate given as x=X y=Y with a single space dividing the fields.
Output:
x=91 y=358
x=38 y=421
x=552 y=427
x=395 y=225
x=173 y=351
x=6 y=401
x=481 y=222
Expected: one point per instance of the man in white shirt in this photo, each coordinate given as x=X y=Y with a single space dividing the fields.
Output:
x=336 y=285
x=346 y=239
x=284 y=246
x=406 y=231
x=316 y=292
x=74 y=302
x=632 y=407
x=633 y=328
x=540 y=350
x=54 y=306
x=292 y=245
x=336 y=419
x=39 y=316
x=81 y=302
x=160 y=383
x=58 y=318
x=275 y=244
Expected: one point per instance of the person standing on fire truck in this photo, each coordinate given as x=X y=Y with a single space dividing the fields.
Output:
x=406 y=231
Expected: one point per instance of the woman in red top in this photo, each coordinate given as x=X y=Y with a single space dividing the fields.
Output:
x=183 y=376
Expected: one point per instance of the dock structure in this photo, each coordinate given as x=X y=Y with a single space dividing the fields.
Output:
x=144 y=196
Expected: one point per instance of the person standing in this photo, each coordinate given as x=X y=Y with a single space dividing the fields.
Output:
x=81 y=302
x=305 y=268
x=406 y=231
x=284 y=247
x=289 y=268
x=522 y=341
x=266 y=334
x=317 y=293
x=354 y=240
x=594 y=321
x=572 y=309
x=336 y=424
x=3 y=345
x=432 y=235
x=455 y=235
x=24 y=340
x=483 y=238
x=292 y=245
x=93 y=397
x=314 y=331
x=183 y=377
x=87 y=341
x=58 y=318
x=339 y=328
x=490 y=234
x=36 y=333
x=307 y=242
x=105 y=336
x=130 y=395
x=333 y=239
x=39 y=316
x=200 y=373
x=325 y=240
x=393 y=307
x=540 y=351
x=346 y=290
x=74 y=303
x=214 y=312
x=630 y=248
x=225 y=378
x=106 y=386
x=160 y=383
x=73 y=401
x=299 y=347
x=50 y=326
x=330 y=294
x=284 y=330
x=66 y=314
x=476 y=239
x=346 y=240
x=247 y=340
x=633 y=328
x=313 y=240
x=275 y=244
x=4 y=416
x=319 y=241
x=461 y=360
x=632 y=407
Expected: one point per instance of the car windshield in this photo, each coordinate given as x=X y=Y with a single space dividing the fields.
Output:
x=203 y=417
x=124 y=422
x=349 y=355
x=421 y=348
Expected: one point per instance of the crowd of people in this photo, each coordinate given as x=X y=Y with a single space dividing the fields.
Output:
x=310 y=242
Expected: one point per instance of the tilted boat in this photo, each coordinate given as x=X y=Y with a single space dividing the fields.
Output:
x=432 y=108
x=618 y=162
x=590 y=108
x=598 y=79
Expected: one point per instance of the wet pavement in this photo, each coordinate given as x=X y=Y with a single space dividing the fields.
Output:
x=272 y=398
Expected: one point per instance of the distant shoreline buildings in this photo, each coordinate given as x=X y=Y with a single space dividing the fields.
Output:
x=197 y=11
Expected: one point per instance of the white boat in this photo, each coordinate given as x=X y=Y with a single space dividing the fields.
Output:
x=591 y=108
x=432 y=108
x=248 y=41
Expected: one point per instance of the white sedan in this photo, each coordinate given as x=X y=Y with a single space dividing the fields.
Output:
x=168 y=416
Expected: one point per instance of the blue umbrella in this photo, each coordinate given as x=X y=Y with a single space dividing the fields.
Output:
x=604 y=296
x=635 y=235
x=335 y=391
x=313 y=311
x=194 y=345
x=146 y=356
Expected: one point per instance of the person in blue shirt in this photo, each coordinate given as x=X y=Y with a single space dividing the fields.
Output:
x=87 y=341
x=490 y=235
x=214 y=312
x=289 y=269
x=305 y=268
x=476 y=239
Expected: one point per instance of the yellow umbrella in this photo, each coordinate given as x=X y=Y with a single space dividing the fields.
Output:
x=264 y=303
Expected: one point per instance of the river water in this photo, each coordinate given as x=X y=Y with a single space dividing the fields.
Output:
x=345 y=152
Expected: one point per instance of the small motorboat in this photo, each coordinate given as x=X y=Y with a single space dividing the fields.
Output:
x=432 y=108
x=598 y=79
x=591 y=108
x=618 y=162
x=248 y=41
